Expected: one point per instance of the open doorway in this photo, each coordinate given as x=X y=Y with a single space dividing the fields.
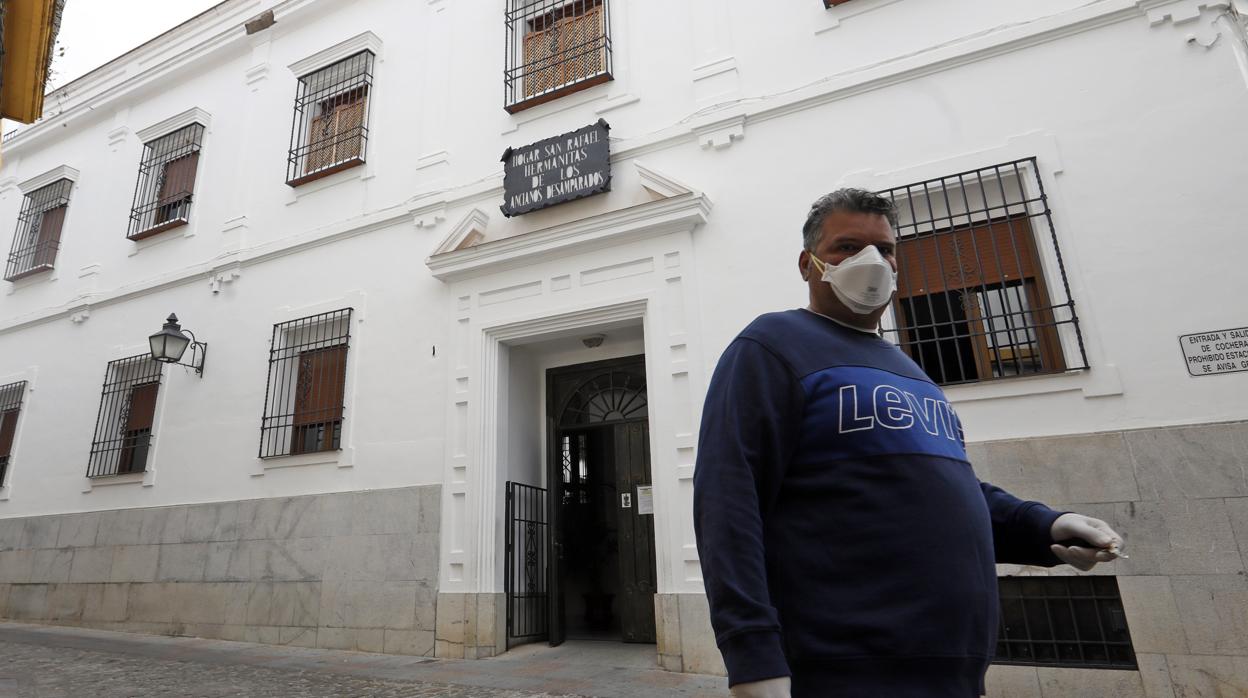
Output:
x=601 y=557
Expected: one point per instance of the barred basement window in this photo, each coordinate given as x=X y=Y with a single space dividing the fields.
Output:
x=123 y=429
x=38 y=235
x=162 y=197
x=982 y=290
x=554 y=48
x=304 y=397
x=330 y=129
x=1063 y=621
x=10 y=406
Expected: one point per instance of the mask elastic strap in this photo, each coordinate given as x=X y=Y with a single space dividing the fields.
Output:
x=820 y=265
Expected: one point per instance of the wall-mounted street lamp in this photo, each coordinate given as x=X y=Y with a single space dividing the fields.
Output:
x=170 y=343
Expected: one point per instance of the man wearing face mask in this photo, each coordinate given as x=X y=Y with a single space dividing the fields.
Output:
x=846 y=545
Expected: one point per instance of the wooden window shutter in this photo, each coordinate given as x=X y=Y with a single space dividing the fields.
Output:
x=176 y=184
x=8 y=428
x=142 y=407
x=579 y=49
x=987 y=258
x=320 y=142
x=320 y=385
x=986 y=254
x=179 y=178
x=49 y=235
x=337 y=133
x=541 y=58
x=350 y=129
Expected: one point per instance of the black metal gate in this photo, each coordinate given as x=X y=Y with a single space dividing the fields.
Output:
x=525 y=580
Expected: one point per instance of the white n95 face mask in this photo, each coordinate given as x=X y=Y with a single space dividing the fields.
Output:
x=864 y=282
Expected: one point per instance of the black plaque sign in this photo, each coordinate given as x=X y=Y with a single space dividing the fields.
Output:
x=557 y=170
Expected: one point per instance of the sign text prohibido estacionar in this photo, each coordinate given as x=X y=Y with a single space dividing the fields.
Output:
x=557 y=170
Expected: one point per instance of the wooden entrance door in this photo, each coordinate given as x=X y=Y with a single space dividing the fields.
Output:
x=635 y=516
x=600 y=501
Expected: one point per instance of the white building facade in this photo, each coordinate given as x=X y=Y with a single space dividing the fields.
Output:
x=425 y=427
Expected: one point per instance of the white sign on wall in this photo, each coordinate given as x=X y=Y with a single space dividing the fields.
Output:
x=1219 y=351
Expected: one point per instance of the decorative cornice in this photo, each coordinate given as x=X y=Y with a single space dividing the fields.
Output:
x=276 y=249
x=367 y=41
x=722 y=134
x=53 y=175
x=709 y=70
x=194 y=115
x=642 y=221
x=1183 y=11
x=117 y=137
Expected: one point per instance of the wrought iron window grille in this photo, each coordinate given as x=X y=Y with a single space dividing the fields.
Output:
x=11 y=395
x=166 y=184
x=982 y=288
x=38 y=235
x=123 y=428
x=330 y=128
x=554 y=48
x=304 y=401
x=1063 y=621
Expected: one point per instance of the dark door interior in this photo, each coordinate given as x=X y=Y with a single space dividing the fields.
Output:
x=603 y=576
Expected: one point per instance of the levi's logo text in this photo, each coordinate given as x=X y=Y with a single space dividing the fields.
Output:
x=875 y=412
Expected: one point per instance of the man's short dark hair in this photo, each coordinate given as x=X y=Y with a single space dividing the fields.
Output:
x=850 y=200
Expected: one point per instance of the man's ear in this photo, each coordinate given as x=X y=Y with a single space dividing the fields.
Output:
x=803 y=265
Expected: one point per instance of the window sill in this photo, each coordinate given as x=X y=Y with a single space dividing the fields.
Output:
x=153 y=236
x=1101 y=381
x=323 y=173
x=144 y=479
x=29 y=273
x=157 y=229
x=342 y=458
x=564 y=91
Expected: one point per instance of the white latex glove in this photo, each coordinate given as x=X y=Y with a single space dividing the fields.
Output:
x=770 y=688
x=1106 y=543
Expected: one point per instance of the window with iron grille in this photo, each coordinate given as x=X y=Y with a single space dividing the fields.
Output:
x=162 y=197
x=305 y=395
x=330 y=130
x=10 y=406
x=554 y=48
x=38 y=235
x=123 y=428
x=1063 y=621
x=981 y=290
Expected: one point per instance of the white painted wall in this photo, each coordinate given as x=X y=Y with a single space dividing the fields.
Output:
x=758 y=107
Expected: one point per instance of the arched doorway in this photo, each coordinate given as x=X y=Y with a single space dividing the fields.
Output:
x=602 y=556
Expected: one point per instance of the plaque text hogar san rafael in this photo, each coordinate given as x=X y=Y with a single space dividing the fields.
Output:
x=557 y=170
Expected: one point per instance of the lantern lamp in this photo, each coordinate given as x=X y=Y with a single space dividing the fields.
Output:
x=170 y=343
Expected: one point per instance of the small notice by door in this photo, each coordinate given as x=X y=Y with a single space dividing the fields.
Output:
x=626 y=500
x=645 y=499
x=1220 y=351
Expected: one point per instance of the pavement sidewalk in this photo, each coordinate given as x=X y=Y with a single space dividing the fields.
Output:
x=46 y=659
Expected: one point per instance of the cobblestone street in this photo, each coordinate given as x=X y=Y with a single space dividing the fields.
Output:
x=76 y=663
x=55 y=672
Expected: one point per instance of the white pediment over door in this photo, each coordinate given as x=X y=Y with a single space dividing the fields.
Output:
x=671 y=206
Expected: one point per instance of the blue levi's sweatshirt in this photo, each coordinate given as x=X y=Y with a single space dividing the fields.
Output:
x=843 y=537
